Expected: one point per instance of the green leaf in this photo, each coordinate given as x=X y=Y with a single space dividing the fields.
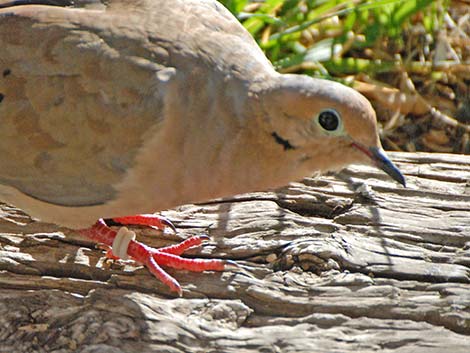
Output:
x=235 y=6
x=407 y=9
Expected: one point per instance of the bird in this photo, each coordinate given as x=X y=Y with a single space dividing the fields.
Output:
x=119 y=110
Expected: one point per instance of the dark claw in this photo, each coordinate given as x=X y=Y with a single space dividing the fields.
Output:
x=231 y=265
x=168 y=224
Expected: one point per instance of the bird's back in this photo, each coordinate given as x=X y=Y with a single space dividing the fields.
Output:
x=82 y=89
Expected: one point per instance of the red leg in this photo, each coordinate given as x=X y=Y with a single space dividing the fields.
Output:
x=158 y=272
x=160 y=222
x=150 y=220
x=153 y=258
x=180 y=248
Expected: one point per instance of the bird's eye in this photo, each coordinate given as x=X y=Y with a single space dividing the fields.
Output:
x=329 y=120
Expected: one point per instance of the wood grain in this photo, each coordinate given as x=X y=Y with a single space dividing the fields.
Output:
x=345 y=263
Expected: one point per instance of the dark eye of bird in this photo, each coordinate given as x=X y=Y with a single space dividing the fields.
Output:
x=329 y=120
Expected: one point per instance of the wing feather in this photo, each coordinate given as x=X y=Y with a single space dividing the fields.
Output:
x=77 y=102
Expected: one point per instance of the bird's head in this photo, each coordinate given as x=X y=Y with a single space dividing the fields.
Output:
x=325 y=124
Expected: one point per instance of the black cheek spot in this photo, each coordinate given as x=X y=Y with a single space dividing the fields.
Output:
x=1 y=97
x=6 y=72
x=283 y=142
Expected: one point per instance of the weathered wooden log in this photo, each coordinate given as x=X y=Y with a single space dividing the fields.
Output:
x=345 y=263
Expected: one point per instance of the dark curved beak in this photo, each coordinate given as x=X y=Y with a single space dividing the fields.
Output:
x=383 y=162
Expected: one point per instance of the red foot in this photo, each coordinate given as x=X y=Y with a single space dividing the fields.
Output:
x=153 y=258
x=150 y=220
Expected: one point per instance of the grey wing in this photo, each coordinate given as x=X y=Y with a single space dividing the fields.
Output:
x=79 y=93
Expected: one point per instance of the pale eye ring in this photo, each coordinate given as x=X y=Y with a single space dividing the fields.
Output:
x=329 y=120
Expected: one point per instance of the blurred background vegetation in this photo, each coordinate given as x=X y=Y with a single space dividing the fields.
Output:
x=411 y=58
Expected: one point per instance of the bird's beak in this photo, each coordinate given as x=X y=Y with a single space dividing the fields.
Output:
x=383 y=162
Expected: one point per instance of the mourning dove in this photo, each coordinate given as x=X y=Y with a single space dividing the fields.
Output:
x=140 y=106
